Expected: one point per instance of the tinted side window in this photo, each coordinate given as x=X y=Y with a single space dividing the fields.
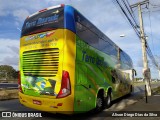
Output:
x=92 y=36
x=126 y=60
x=84 y=31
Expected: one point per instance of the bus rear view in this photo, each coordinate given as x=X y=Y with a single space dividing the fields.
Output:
x=46 y=79
x=67 y=65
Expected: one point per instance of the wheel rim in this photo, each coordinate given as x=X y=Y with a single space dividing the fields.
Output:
x=108 y=100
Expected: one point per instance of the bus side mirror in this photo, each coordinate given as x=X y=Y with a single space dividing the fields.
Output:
x=135 y=73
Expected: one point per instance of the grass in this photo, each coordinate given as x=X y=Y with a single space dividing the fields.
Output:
x=138 y=83
x=6 y=94
x=156 y=90
x=143 y=83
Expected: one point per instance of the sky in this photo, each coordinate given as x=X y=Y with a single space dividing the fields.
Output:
x=104 y=14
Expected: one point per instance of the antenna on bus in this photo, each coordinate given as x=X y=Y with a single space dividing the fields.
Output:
x=19 y=29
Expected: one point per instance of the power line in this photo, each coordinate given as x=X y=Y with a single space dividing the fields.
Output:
x=133 y=23
x=129 y=11
x=152 y=11
x=134 y=26
x=154 y=4
x=150 y=24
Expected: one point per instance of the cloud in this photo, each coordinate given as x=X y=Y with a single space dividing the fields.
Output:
x=9 y=52
x=10 y=60
x=15 y=49
x=9 y=42
x=21 y=14
x=128 y=43
x=9 y=6
x=155 y=2
x=140 y=63
x=103 y=14
x=21 y=9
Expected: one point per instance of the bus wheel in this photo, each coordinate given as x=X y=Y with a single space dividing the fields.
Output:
x=131 y=90
x=108 y=100
x=99 y=103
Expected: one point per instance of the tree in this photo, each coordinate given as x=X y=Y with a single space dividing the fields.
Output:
x=8 y=72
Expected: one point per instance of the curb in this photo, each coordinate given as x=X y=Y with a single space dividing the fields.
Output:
x=7 y=94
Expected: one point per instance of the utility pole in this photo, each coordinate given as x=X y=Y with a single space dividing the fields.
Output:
x=159 y=71
x=146 y=70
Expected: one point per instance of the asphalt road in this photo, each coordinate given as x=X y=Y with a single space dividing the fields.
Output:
x=8 y=85
x=14 y=105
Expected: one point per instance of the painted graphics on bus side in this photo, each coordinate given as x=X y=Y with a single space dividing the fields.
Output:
x=94 y=70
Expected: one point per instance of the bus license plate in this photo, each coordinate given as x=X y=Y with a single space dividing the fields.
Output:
x=37 y=102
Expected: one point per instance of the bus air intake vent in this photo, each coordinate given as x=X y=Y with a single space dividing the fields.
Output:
x=41 y=63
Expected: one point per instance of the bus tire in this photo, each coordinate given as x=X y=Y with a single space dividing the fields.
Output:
x=131 y=90
x=99 y=103
x=108 y=100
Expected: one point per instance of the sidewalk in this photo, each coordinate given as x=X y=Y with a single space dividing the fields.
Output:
x=152 y=105
x=138 y=110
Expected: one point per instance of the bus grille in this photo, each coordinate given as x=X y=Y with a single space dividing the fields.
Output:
x=43 y=62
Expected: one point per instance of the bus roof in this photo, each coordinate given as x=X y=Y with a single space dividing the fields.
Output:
x=45 y=9
x=69 y=11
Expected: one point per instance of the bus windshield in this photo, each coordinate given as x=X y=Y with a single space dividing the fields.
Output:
x=44 y=21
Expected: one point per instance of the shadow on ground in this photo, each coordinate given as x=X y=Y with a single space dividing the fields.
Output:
x=88 y=115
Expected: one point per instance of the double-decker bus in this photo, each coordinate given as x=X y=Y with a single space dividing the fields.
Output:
x=67 y=65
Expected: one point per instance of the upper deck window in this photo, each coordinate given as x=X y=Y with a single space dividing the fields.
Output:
x=44 y=21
